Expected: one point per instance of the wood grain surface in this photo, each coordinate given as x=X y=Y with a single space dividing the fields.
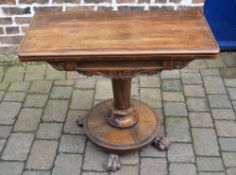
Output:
x=121 y=140
x=107 y=35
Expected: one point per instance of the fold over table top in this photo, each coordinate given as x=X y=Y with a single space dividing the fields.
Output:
x=107 y=35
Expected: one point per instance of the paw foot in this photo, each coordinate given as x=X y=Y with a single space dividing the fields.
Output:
x=161 y=143
x=112 y=163
x=80 y=122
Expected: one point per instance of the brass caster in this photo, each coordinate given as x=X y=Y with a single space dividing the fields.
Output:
x=80 y=122
x=112 y=163
x=161 y=143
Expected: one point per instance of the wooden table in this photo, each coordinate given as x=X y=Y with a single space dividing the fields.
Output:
x=119 y=46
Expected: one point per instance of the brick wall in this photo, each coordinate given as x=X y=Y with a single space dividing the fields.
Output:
x=15 y=15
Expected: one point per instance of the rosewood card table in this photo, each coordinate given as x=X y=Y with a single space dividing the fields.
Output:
x=119 y=46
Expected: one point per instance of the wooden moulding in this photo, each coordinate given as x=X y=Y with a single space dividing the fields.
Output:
x=120 y=70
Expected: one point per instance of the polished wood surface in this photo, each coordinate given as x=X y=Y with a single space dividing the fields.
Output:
x=116 y=139
x=122 y=113
x=114 y=35
x=121 y=93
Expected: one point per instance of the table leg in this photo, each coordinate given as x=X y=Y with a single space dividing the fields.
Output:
x=161 y=143
x=122 y=124
x=122 y=114
x=80 y=121
x=112 y=163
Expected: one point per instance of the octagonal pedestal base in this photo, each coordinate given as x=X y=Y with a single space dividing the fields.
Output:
x=119 y=140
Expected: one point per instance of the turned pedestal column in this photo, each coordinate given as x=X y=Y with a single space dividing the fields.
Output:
x=122 y=113
x=121 y=124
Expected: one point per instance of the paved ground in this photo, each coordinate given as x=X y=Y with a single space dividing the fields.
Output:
x=39 y=106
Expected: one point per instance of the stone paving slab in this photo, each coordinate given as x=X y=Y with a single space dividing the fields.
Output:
x=18 y=146
x=39 y=107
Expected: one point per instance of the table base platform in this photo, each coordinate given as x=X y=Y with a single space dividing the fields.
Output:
x=116 y=140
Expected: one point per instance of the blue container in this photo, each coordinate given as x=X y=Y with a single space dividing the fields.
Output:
x=221 y=15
